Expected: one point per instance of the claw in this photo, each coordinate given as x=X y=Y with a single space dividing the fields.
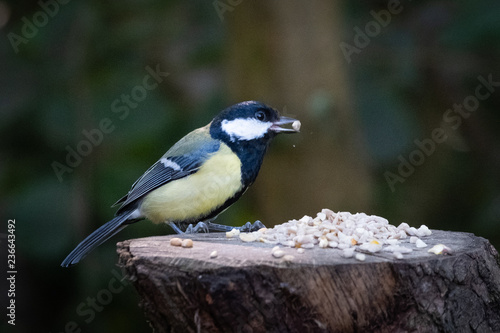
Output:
x=247 y=227
x=199 y=227
x=257 y=225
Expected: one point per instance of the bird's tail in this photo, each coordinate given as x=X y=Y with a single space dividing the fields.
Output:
x=99 y=236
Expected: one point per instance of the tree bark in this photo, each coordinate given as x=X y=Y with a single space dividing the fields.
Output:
x=246 y=289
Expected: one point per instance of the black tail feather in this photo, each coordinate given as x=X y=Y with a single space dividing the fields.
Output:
x=99 y=236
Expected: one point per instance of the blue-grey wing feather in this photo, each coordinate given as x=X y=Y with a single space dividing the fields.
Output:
x=186 y=157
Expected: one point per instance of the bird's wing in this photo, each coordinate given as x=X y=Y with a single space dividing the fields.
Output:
x=183 y=159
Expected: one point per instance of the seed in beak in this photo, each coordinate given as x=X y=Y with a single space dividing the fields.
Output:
x=296 y=125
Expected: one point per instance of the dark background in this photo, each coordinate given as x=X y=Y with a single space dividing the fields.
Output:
x=361 y=114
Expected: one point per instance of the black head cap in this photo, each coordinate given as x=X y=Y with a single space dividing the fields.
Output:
x=247 y=128
x=248 y=121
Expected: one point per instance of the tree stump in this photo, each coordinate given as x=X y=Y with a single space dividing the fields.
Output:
x=246 y=289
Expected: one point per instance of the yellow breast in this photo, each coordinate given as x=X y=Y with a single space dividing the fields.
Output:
x=196 y=195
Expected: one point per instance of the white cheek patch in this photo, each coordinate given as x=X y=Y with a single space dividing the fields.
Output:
x=245 y=129
x=169 y=164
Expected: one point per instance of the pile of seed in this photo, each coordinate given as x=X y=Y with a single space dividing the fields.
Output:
x=343 y=230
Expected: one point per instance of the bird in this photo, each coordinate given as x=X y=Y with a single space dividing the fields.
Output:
x=199 y=177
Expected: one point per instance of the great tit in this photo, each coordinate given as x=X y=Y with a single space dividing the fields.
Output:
x=199 y=177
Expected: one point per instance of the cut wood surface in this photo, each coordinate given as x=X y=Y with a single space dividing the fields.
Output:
x=246 y=289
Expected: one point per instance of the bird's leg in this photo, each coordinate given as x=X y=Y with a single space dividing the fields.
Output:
x=219 y=227
x=247 y=227
x=176 y=228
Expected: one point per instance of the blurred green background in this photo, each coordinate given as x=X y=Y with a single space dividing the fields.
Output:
x=366 y=78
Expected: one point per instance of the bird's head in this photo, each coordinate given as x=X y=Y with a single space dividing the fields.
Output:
x=250 y=121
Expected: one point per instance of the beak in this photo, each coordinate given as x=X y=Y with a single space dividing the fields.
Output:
x=283 y=121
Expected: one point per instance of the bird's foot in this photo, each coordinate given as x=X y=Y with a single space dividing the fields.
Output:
x=199 y=227
x=247 y=227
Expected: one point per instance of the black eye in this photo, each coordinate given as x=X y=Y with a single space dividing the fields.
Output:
x=260 y=115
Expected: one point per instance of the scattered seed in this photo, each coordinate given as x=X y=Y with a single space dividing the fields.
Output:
x=176 y=241
x=249 y=237
x=288 y=258
x=423 y=231
x=412 y=231
x=420 y=243
x=343 y=246
x=333 y=244
x=360 y=256
x=233 y=233
x=321 y=216
x=440 y=249
x=398 y=255
x=323 y=243
x=397 y=248
x=348 y=253
x=392 y=241
x=373 y=246
x=278 y=253
x=213 y=255
x=187 y=243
